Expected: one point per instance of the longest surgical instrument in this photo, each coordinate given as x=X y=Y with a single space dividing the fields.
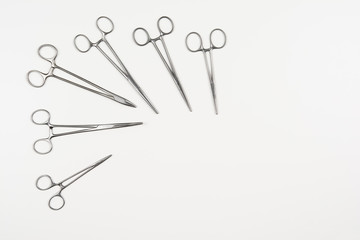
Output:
x=51 y=57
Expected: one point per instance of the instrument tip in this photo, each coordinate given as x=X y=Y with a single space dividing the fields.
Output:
x=106 y=158
x=101 y=161
x=123 y=101
x=154 y=109
x=137 y=123
x=130 y=104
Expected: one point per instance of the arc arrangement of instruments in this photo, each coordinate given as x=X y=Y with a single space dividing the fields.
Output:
x=38 y=79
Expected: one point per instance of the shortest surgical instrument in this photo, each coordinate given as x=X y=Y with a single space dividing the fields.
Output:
x=57 y=201
x=45 y=116
x=209 y=66
x=168 y=64
x=51 y=57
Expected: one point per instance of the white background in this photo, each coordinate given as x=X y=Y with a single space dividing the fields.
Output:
x=281 y=161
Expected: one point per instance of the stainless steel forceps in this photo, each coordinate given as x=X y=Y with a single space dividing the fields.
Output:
x=44 y=52
x=120 y=66
x=168 y=64
x=209 y=67
x=57 y=201
x=42 y=117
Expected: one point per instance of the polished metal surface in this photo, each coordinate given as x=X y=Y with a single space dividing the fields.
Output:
x=119 y=65
x=63 y=184
x=168 y=64
x=43 y=77
x=83 y=128
x=209 y=63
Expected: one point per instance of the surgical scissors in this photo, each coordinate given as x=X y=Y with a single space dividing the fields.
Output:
x=51 y=57
x=45 y=116
x=209 y=67
x=168 y=64
x=120 y=66
x=45 y=182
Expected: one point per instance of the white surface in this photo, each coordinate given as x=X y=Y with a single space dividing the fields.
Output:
x=281 y=161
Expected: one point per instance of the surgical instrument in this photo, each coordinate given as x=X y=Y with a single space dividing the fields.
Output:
x=209 y=66
x=119 y=65
x=42 y=117
x=169 y=63
x=51 y=57
x=57 y=201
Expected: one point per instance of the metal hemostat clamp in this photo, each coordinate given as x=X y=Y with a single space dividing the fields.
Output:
x=168 y=64
x=82 y=129
x=208 y=63
x=44 y=77
x=45 y=182
x=119 y=65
